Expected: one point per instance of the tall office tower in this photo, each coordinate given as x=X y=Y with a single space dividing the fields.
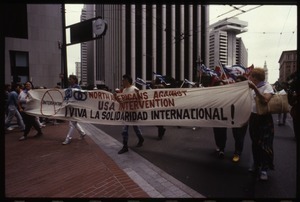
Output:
x=78 y=70
x=142 y=39
x=32 y=34
x=224 y=46
x=87 y=49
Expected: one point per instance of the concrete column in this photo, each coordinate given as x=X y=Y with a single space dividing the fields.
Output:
x=191 y=33
x=133 y=51
x=173 y=27
x=163 y=40
x=154 y=51
x=182 y=66
x=144 y=35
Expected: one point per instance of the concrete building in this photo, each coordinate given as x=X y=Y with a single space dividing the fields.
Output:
x=142 y=39
x=224 y=45
x=87 y=50
x=33 y=36
x=78 y=71
x=287 y=64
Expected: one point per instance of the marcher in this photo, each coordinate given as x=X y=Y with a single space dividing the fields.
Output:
x=13 y=108
x=261 y=127
x=29 y=120
x=160 y=129
x=293 y=99
x=7 y=89
x=220 y=134
x=282 y=116
x=239 y=133
x=129 y=88
x=73 y=80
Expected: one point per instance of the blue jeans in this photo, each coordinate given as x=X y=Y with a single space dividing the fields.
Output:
x=137 y=131
x=13 y=112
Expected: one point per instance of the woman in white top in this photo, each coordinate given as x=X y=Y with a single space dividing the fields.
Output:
x=261 y=127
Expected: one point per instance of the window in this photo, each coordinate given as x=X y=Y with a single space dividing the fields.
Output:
x=19 y=63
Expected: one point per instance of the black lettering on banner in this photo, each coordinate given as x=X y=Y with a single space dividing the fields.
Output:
x=80 y=96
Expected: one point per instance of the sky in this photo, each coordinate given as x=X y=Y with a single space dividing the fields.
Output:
x=271 y=30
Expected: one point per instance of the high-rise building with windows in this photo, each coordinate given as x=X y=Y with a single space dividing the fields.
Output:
x=287 y=64
x=87 y=49
x=144 y=38
x=224 y=45
x=33 y=42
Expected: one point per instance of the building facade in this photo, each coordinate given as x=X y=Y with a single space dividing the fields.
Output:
x=33 y=39
x=87 y=50
x=224 y=45
x=287 y=64
x=142 y=39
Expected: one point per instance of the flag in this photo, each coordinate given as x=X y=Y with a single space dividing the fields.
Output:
x=142 y=82
x=189 y=82
x=248 y=70
x=161 y=78
x=206 y=70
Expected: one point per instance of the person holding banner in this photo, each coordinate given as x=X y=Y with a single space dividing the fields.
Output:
x=261 y=127
x=73 y=80
x=128 y=87
x=239 y=133
x=29 y=120
x=157 y=83
x=220 y=134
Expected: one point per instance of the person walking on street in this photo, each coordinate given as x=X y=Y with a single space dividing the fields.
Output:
x=239 y=133
x=220 y=134
x=73 y=80
x=128 y=87
x=29 y=120
x=261 y=127
x=13 y=108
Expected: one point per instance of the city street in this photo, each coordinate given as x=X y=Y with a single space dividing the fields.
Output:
x=189 y=156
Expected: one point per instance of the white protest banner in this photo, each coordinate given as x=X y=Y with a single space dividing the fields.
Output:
x=221 y=106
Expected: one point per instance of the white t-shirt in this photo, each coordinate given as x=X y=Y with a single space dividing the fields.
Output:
x=267 y=88
x=130 y=89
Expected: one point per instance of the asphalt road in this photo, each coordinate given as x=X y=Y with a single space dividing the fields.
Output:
x=189 y=156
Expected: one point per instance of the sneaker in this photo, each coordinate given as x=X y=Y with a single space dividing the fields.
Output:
x=22 y=138
x=38 y=135
x=263 y=175
x=82 y=135
x=253 y=169
x=123 y=150
x=161 y=133
x=9 y=128
x=221 y=154
x=67 y=141
x=236 y=158
x=140 y=143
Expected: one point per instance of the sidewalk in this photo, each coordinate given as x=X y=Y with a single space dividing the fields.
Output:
x=90 y=168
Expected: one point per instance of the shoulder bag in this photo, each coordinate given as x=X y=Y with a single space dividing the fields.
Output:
x=276 y=105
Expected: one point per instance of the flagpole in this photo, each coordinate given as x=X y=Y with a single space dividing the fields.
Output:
x=200 y=73
x=224 y=71
x=182 y=84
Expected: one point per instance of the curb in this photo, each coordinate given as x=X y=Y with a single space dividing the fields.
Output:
x=154 y=181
